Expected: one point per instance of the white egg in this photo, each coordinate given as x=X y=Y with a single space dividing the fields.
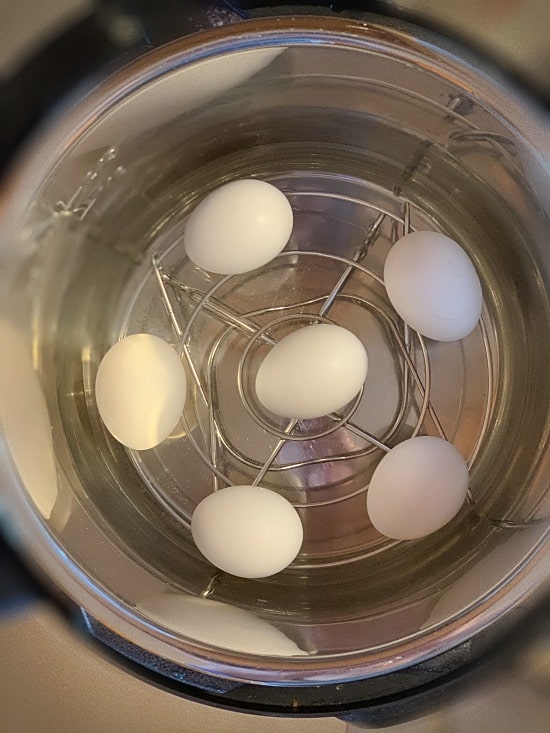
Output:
x=312 y=372
x=219 y=624
x=247 y=531
x=238 y=227
x=417 y=488
x=433 y=285
x=140 y=390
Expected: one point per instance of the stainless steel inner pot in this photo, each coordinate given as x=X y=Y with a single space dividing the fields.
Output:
x=371 y=132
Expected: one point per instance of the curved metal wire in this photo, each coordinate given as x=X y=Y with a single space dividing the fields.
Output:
x=218 y=439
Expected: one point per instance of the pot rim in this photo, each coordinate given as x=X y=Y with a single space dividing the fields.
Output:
x=42 y=153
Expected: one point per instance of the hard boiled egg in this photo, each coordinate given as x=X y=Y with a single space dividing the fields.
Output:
x=417 y=488
x=238 y=227
x=140 y=390
x=433 y=285
x=312 y=372
x=247 y=531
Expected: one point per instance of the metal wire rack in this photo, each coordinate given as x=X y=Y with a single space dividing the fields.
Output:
x=216 y=445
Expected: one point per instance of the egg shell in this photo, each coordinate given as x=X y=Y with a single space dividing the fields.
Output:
x=140 y=390
x=238 y=227
x=312 y=372
x=219 y=624
x=247 y=531
x=417 y=488
x=433 y=285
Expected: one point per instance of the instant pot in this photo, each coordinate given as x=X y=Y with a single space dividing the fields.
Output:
x=374 y=124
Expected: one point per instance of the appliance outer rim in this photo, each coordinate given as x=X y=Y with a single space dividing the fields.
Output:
x=43 y=152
